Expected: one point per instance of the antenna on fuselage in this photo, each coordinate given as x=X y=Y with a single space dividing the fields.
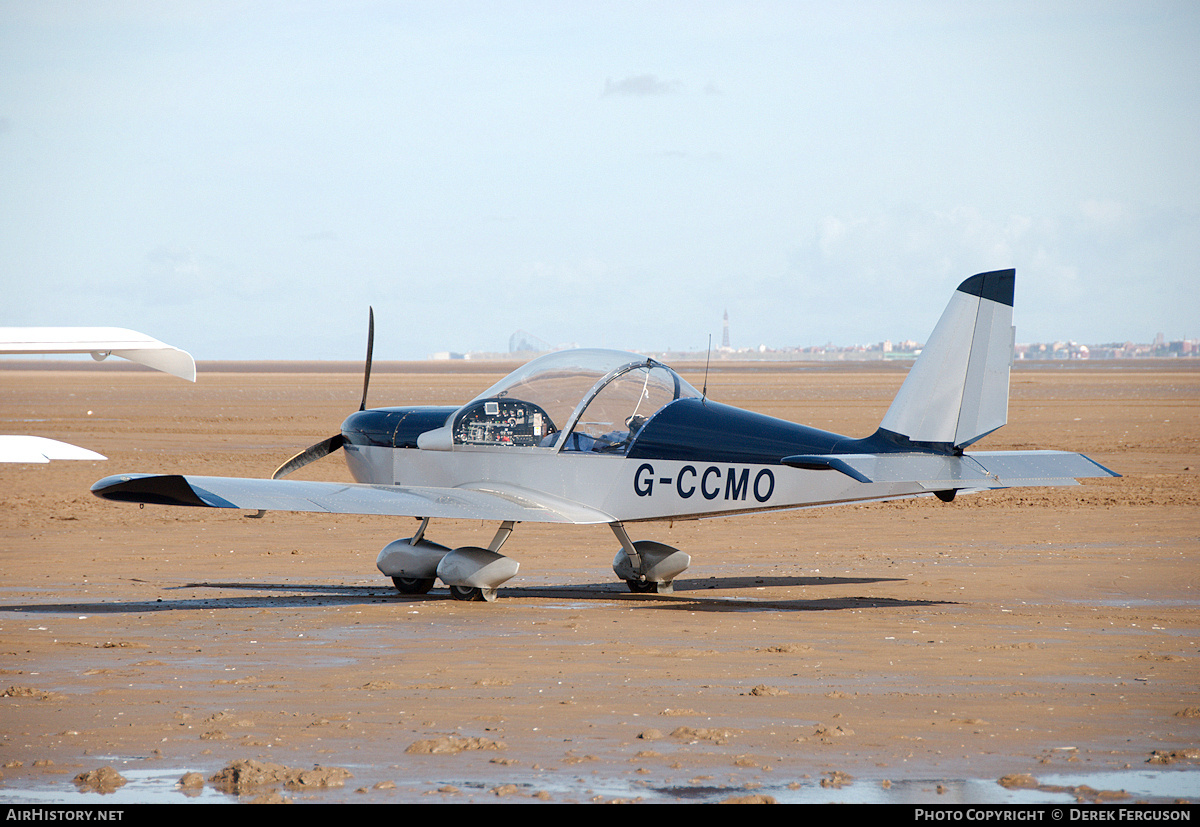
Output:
x=707 y=358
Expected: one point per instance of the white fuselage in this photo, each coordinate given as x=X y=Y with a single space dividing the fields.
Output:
x=617 y=488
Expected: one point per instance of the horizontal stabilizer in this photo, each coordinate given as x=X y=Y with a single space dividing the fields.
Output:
x=344 y=498
x=983 y=469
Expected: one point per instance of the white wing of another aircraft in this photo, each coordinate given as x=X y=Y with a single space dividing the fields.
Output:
x=100 y=342
x=41 y=449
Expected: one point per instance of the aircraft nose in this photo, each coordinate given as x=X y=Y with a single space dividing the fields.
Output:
x=393 y=427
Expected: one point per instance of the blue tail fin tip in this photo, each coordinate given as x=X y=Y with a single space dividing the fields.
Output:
x=996 y=286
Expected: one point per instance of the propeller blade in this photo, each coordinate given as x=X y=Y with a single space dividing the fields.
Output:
x=327 y=446
x=370 y=347
x=310 y=454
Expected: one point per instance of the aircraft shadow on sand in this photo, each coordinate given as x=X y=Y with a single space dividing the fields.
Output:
x=703 y=595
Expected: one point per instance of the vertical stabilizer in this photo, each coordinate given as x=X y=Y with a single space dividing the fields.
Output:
x=957 y=391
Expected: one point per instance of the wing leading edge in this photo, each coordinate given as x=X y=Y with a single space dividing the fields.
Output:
x=491 y=504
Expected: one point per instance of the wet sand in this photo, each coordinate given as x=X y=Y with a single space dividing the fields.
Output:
x=909 y=651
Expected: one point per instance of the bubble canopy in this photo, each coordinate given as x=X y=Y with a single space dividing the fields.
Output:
x=598 y=399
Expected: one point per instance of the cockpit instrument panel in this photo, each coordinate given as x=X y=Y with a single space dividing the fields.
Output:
x=507 y=422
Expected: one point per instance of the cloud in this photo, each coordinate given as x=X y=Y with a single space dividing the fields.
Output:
x=641 y=86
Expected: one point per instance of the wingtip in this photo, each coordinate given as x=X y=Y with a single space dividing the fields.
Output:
x=158 y=489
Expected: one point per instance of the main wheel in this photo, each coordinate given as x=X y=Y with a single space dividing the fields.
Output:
x=643 y=586
x=413 y=585
x=466 y=593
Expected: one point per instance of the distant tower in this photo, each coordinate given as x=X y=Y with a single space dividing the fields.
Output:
x=725 y=333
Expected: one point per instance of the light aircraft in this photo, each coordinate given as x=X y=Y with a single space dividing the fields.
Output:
x=608 y=437
x=100 y=342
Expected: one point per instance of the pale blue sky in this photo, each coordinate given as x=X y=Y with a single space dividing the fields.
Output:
x=243 y=179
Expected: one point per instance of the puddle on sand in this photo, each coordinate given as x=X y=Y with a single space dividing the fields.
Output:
x=159 y=787
x=141 y=787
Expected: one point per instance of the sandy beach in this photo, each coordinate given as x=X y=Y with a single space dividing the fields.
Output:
x=1024 y=645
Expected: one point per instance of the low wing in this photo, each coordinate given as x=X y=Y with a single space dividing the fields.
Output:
x=491 y=504
x=982 y=469
x=40 y=449
x=100 y=342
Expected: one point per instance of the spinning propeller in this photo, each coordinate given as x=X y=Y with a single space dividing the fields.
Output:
x=327 y=446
